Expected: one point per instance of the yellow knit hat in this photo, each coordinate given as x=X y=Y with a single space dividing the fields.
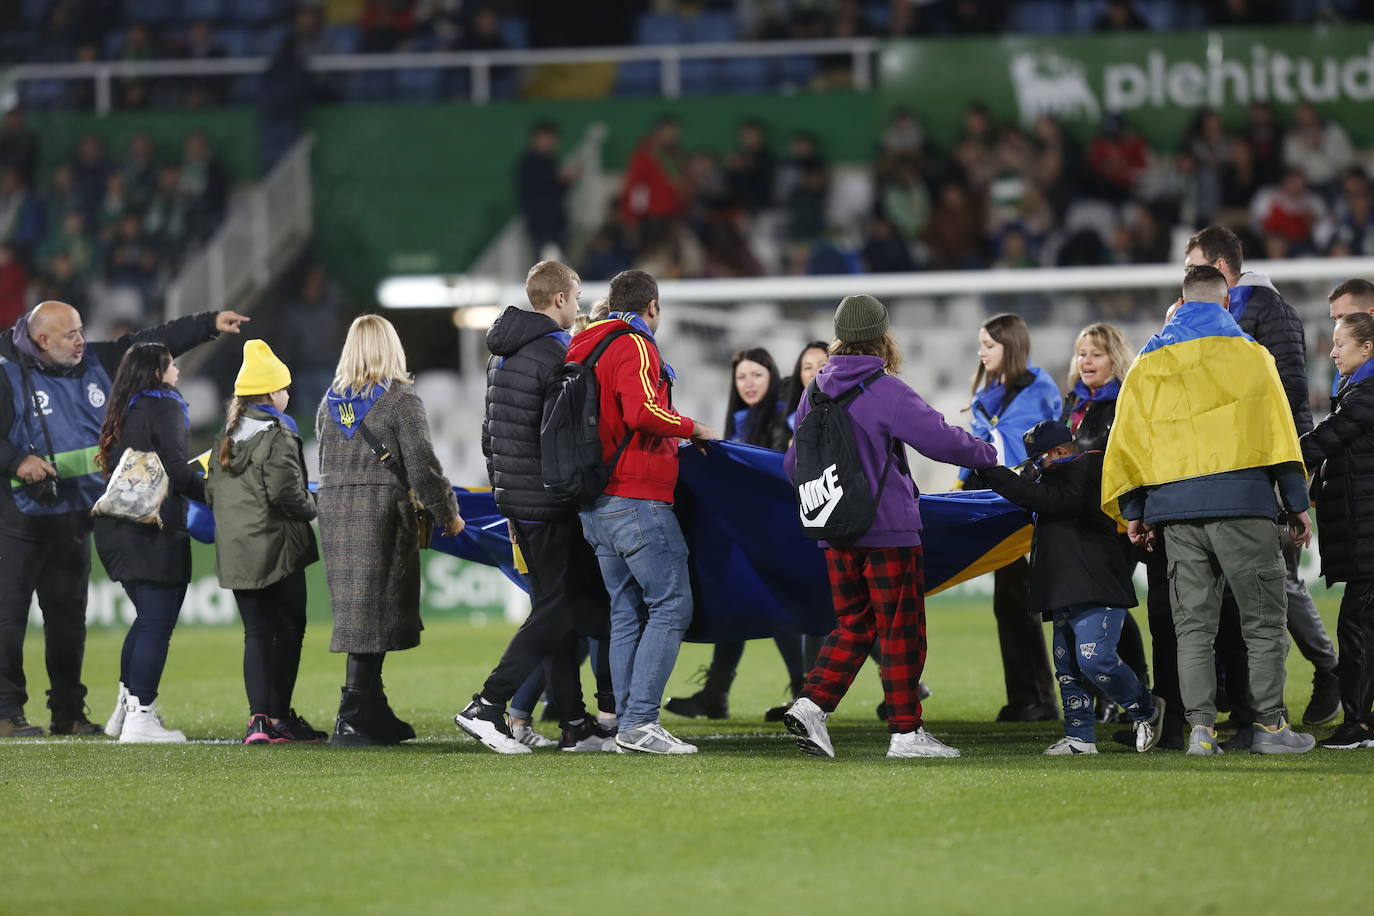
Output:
x=261 y=372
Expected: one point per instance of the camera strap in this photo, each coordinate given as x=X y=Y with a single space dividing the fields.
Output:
x=32 y=395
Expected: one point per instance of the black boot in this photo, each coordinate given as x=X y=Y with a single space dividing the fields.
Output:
x=353 y=727
x=775 y=713
x=711 y=701
x=388 y=724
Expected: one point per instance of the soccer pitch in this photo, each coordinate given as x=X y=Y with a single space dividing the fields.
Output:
x=747 y=825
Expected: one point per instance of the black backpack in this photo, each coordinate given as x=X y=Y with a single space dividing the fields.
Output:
x=570 y=430
x=835 y=499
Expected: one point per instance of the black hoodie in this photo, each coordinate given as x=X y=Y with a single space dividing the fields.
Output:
x=527 y=349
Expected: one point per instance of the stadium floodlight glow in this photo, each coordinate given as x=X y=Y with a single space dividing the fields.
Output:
x=475 y=317
x=438 y=291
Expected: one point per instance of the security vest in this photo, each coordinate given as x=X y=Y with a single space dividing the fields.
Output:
x=74 y=408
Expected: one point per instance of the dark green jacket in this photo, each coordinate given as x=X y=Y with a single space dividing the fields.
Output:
x=262 y=507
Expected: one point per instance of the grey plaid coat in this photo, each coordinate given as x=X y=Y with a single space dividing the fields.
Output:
x=367 y=528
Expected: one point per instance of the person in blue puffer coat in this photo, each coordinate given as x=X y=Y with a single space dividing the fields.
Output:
x=1009 y=397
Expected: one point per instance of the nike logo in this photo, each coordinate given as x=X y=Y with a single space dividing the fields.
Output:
x=819 y=498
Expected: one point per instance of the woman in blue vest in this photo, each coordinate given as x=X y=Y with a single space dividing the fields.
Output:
x=1009 y=397
x=152 y=562
x=756 y=415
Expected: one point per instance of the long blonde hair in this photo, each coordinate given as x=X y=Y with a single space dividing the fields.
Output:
x=372 y=355
x=1110 y=339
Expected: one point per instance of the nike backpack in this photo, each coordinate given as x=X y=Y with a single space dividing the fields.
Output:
x=835 y=499
x=570 y=454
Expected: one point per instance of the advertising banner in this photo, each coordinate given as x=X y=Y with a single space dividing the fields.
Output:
x=1157 y=80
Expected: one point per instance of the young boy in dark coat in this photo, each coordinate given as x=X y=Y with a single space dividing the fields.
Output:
x=1081 y=579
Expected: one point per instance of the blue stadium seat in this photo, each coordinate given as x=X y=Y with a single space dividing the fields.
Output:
x=878 y=16
x=367 y=86
x=193 y=10
x=1040 y=17
x=150 y=11
x=796 y=72
x=258 y=10
x=653 y=29
x=637 y=77
x=746 y=74
x=712 y=28
x=35 y=11
x=269 y=39
x=515 y=32
x=42 y=93
x=238 y=42
x=419 y=85
x=343 y=39
x=698 y=76
x=246 y=89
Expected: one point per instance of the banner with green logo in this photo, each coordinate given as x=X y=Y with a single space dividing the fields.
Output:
x=450 y=587
x=1157 y=80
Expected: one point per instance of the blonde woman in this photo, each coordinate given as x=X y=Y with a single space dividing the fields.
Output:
x=1101 y=359
x=367 y=526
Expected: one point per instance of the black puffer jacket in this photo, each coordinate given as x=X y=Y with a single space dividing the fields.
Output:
x=1340 y=450
x=1276 y=327
x=1077 y=556
x=133 y=551
x=1092 y=433
x=527 y=349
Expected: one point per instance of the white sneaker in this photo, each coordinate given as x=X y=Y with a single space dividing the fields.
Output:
x=806 y=720
x=527 y=736
x=115 y=724
x=142 y=725
x=651 y=738
x=1067 y=747
x=919 y=743
x=487 y=724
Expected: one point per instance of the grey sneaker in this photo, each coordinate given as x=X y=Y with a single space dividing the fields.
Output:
x=1203 y=742
x=651 y=738
x=919 y=743
x=1282 y=740
x=806 y=720
x=1147 y=733
x=1241 y=740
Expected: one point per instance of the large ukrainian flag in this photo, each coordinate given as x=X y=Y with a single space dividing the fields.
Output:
x=1202 y=398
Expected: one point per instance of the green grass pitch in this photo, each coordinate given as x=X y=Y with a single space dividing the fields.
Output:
x=749 y=825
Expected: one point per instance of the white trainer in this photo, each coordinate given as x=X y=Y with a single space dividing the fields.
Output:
x=1067 y=747
x=527 y=736
x=143 y=725
x=806 y=720
x=651 y=738
x=115 y=724
x=919 y=743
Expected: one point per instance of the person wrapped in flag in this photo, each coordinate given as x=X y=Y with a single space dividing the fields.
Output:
x=1203 y=433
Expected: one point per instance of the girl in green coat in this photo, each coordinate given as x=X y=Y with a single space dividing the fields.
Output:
x=256 y=486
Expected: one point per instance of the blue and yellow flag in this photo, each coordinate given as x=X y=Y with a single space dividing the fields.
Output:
x=1202 y=398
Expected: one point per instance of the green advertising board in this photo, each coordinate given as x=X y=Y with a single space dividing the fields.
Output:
x=450 y=587
x=1157 y=80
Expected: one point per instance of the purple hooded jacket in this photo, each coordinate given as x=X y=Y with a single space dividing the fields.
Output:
x=890 y=410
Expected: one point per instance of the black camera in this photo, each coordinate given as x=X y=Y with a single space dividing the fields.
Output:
x=43 y=492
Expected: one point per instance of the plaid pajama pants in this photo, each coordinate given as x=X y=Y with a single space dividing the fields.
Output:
x=879 y=593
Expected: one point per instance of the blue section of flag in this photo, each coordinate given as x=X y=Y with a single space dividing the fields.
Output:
x=752 y=569
x=1193 y=321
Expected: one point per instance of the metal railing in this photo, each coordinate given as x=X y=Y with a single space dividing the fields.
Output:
x=264 y=229
x=480 y=64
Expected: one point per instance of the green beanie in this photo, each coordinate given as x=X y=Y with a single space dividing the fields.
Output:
x=860 y=319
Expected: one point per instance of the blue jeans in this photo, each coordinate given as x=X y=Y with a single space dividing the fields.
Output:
x=643 y=558
x=145 y=647
x=1085 y=657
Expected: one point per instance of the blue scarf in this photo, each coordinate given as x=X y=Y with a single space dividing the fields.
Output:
x=636 y=321
x=281 y=417
x=1107 y=392
x=348 y=409
x=1359 y=375
x=171 y=393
